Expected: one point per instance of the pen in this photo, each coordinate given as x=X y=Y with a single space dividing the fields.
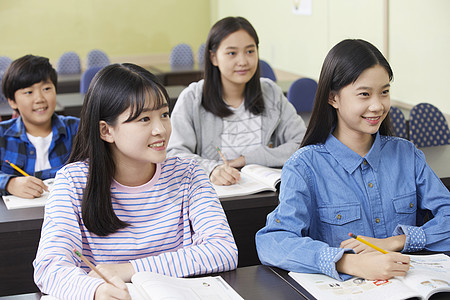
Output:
x=223 y=157
x=367 y=243
x=91 y=266
x=17 y=168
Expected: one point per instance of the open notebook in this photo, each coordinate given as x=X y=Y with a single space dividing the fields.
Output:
x=428 y=275
x=14 y=202
x=152 y=286
x=254 y=179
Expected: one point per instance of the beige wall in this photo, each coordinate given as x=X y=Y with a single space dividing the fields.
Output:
x=419 y=44
x=121 y=28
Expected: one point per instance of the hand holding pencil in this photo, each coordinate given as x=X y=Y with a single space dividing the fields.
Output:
x=25 y=186
x=224 y=174
x=114 y=287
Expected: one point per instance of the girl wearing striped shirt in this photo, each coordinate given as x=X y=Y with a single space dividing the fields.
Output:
x=122 y=204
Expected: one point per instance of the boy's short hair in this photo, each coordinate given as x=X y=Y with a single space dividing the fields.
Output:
x=26 y=71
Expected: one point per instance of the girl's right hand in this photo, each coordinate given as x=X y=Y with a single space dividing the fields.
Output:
x=374 y=265
x=26 y=187
x=117 y=290
x=224 y=175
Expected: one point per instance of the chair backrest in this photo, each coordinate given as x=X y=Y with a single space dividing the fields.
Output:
x=97 y=58
x=5 y=61
x=181 y=56
x=398 y=122
x=201 y=55
x=2 y=96
x=301 y=94
x=266 y=70
x=69 y=63
x=428 y=126
x=86 y=78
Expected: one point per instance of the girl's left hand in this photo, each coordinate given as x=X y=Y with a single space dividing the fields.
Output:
x=123 y=271
x=390 y=244
x=237 y=162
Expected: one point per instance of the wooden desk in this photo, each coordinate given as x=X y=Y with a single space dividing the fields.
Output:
x=251 y=283
x=176 y=76
x=438 y=157
x=20 y=232
x=306 y=295
x=68 y=83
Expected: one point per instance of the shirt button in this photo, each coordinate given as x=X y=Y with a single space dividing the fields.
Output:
x=277 y=220
x=365 y=162
x=377 y=220
x=411 y=205
x=370 y=184
x=338 y=217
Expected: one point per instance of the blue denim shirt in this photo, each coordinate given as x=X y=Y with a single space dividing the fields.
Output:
x=17 y=148
x=327 y=191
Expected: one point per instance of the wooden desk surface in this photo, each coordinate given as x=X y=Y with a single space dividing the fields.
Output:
x=251 y=283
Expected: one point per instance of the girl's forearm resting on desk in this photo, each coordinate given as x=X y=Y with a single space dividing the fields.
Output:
x=374 y=265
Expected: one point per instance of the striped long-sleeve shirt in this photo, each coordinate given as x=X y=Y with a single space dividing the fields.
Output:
x=177 y=228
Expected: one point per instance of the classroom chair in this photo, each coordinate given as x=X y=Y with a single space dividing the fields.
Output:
x=201 y=55
x=266 y=71
x=86 y=78
x=97 y=58
x=428 y=126
x=301 y=94
x=69 y=63
x=5 y=61
x=181 y=56
x=398 y=122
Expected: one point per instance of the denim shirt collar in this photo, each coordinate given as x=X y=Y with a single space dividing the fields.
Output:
x=349 y=159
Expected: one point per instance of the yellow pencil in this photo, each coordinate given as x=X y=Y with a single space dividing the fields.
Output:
x=17 y=168
x=91 y=266
x=367 y=243
x=222 y=156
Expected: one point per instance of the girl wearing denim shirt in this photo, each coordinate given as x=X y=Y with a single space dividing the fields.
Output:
x=351 y=175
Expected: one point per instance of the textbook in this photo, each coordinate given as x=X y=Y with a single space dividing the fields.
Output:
x=14 y=202
x=254 y=179
x=153 y=286
x=428 y=275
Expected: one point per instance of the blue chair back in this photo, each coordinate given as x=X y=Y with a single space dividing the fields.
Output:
x=2 y=96
x=428 y=126
x=398 y=122
x=5 y=61
x=181 y=56
x=86 y=78
x=69 y=63
x=301 y=94
x=97 y=58
x=266 y=70
x=201 y=55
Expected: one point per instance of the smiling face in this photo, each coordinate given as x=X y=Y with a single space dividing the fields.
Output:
x=36 y=105
x=362 y=105
x=140 y=142
x=237 y=59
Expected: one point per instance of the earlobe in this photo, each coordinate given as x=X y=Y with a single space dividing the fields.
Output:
x=332 y=100
x=213 y=58
x=105 y=132
x=12 y=103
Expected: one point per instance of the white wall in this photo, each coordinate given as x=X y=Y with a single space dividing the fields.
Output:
x=419 y=43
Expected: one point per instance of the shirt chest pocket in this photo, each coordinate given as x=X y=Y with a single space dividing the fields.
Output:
x=337 y=221
x=340 y=215
x=405 y=208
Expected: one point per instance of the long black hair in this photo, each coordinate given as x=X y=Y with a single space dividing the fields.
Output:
x=212 y=89
x=113 y=90
x=342 y=66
